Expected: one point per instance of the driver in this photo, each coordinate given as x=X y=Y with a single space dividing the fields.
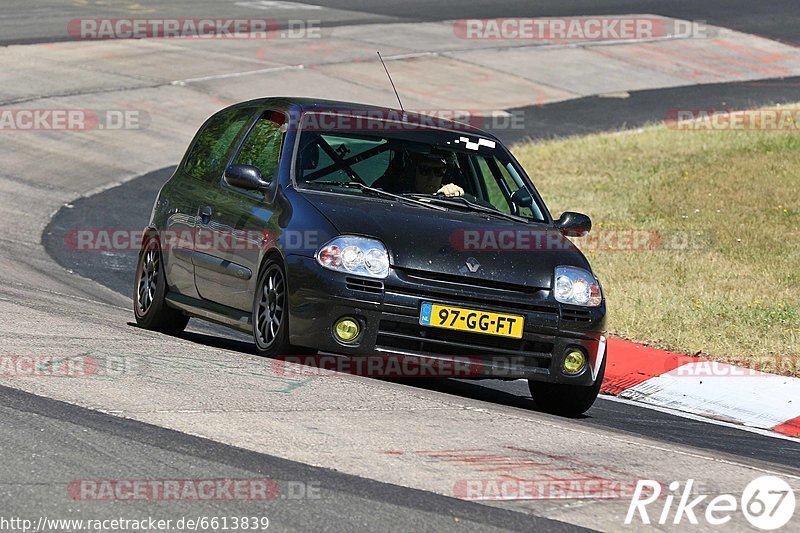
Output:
x=429 y=171
x=420 y=174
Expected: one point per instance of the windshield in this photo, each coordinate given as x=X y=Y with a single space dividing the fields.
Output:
x=458 y=170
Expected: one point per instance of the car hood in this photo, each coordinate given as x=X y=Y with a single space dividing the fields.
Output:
x=453 y=242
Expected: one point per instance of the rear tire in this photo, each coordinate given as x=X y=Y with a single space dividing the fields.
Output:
x=149 y=290
x=566 y=400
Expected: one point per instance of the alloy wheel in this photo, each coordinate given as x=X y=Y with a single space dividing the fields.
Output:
x=271 y=306
x=148 y=279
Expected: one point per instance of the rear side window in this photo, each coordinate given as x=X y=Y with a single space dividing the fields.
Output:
x=262 y=148
x=211 y=151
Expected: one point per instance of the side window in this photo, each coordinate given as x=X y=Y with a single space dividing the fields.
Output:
x=500 y=182
x=494 y=193
x=262 y=148
x=210 y=153
x=514 y=182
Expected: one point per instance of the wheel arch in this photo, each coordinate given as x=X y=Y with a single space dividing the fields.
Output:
x=270 y=254
x=148 y=233
x=273 y=253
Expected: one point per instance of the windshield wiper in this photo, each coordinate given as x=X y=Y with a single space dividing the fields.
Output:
x=376 y=192
x=461 y=201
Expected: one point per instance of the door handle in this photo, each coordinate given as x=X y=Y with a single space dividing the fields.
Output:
x=205 y=215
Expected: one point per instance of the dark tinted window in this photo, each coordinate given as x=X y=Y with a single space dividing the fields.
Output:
x=262 y=148
x=209 y=155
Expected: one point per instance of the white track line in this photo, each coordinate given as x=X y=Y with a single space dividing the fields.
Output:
x=690 y=416
x=698 y=418
x=237 y=74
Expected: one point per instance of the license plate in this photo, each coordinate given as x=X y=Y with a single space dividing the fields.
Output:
x=472 y=320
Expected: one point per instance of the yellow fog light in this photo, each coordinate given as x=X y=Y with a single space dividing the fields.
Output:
x=574 y=362
x=346 y=329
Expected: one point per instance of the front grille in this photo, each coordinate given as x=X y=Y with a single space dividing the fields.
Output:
x=406 y=336
x=576 y=315
x=463 y=281
x=364 y=285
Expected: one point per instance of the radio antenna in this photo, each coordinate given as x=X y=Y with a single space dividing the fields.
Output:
x=390 y=81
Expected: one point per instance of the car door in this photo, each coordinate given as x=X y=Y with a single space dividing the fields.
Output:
x=186 y=190
x=236 y=223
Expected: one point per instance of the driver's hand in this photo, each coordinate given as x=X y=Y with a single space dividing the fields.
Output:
x=451 y=189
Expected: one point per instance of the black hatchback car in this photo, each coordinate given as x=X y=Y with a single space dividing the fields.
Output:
x=364 y=231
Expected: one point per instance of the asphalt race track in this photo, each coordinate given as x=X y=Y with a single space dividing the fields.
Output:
x=23 y=23
x=364 y=454
x=66 y=438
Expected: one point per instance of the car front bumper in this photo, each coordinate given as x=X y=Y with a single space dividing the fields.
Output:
x=388 y=312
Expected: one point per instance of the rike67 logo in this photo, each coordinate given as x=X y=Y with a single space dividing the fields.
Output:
x=768 y=503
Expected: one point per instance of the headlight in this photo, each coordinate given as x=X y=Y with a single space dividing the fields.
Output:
x=577 y=286
x=355 y=255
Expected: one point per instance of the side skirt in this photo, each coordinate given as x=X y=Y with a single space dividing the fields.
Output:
x=226 y=316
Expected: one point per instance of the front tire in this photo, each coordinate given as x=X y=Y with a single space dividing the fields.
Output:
x=271 y=310
x=566 y=400
x=149 y=289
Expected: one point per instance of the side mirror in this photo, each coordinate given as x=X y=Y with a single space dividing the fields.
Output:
x=573 y=224
x=522 y=197
x=245 y=177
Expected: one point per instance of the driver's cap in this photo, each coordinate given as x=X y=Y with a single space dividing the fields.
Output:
x=431 y=160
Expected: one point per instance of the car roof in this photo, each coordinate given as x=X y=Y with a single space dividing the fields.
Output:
x=303 y=105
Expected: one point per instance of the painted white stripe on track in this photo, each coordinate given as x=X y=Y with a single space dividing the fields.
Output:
x=698 y=418
x=725 y=392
